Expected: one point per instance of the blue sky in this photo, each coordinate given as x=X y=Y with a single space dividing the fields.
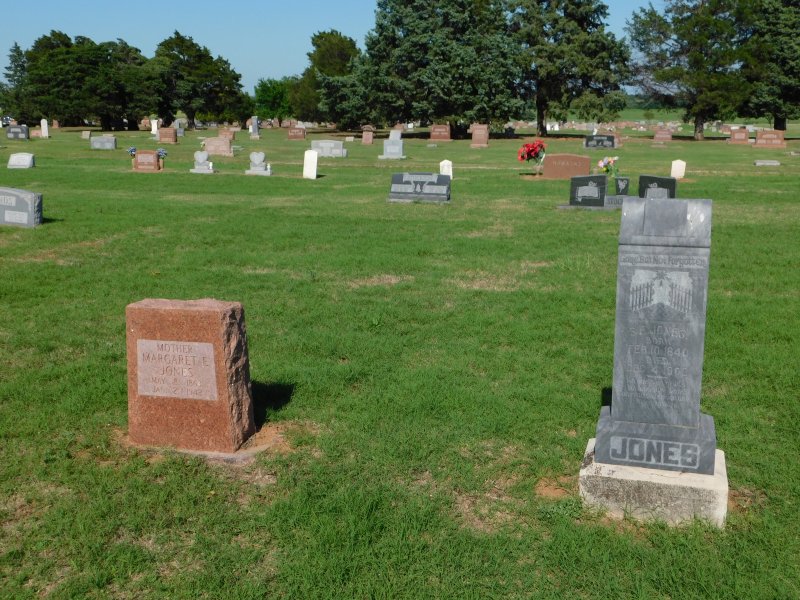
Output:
x=260 y=38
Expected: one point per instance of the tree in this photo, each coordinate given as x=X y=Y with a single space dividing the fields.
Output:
x=192 y=80
x=272 y=97
x=570 y=60
x=691 y=55
x=14 y=98
x=331 y=57
x=440 y=59
x=772 y=66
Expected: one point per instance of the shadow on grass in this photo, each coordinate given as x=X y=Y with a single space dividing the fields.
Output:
x=605 y=396
x=269 y=398
x=50 y=220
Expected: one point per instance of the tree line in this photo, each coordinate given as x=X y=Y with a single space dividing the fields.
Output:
x=449 y=60
x=75 y=81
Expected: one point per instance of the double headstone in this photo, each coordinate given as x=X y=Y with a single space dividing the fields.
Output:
x=651 y=186
x=18 y=132
x=769 y=138
x=420 y=187
x=103 y=142
x=329 y=148
x=147 y=161
x=599 y=141
x=20 y=207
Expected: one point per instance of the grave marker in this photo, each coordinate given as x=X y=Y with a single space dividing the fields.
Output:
x=20 y=208
x=565 y=166
x=297 y=133
x=147 y=161
x=258 y=166
x=188 y=375
x=446 y=168
x=420 y=187
x=18 y=132
x=651 y=186
x=599 y=141
x=202 y=166
x=367 y=137
x=770 y=138
x=254 y=128
x=45 y=133
x=310 y=164
x=480 y=135
x=218 y=147
x=168 y=135
x=329 y=148
x=739 y=136
x=103 y=142
x=588 y=190
x=440 y=133
x=678 y=170
x=392 y=150
x=21 y=160
x=662 y=135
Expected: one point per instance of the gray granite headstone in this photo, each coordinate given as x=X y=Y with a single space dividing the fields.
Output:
x=103 y=142
x=599 y=141
x=420 y=187
x=20 y=207
x=588 y=191
x=654 y=419
x=392 y=150
x=258 y=165
x=651 y=186
x=329 y=148
x=21 y=160
x=201 y=164
x=18 y=132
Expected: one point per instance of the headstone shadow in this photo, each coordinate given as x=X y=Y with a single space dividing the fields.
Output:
x=269 y=398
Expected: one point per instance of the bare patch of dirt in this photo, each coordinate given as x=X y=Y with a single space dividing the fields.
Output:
x=479 y=514
x=741 y=500
x=377 y=280
x=60 y=254
x=553 y=489
x=486 y=282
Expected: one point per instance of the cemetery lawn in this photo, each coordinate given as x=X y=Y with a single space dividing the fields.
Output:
x=428 y=377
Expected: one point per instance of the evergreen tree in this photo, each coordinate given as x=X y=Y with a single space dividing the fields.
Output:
x=690 y=56
x=772 y=65
x=439 y=59
x=570 y=60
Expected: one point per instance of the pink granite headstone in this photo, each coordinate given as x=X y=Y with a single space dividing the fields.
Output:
x=188 y=375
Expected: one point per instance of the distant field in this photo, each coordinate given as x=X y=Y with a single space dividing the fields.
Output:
x=430 y=376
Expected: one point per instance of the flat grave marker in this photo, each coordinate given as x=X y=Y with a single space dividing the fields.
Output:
x=21 y=160
x=420 y=187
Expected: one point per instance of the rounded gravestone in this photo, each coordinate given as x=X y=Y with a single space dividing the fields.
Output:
x=200 y=157
x=257 y=157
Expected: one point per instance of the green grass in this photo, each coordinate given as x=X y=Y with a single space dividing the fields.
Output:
x=433 y=369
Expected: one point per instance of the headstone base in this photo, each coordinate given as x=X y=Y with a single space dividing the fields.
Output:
x=202 y=171
x=262 y=172
x=653 y=494
x=668 y=447
x=384 y=157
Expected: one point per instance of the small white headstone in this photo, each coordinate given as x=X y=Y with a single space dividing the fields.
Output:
x=350 y=138
x=21 y=160
x=310 y=164
x=446 y=168
x=395 y=134
x=45 y=129
x=678 y=169
x=154 y=125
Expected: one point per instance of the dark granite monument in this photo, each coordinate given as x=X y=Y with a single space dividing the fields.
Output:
x=651 y=186
x=420 y=187
x=654 y=419
x=20 y=207
x=17 y=132
x=599 y=141
x=589 y=190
